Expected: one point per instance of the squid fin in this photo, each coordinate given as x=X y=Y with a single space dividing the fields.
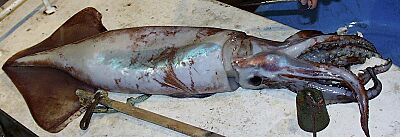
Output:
x=48 y=92
x=83 y=24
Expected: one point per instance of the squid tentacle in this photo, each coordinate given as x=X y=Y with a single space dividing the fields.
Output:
x=377 y=88
x=335 y=41
x=344 y=95
x=365 y=76
x=340 y=51
x=362 y=99
x=359 y=93
x=342 y=56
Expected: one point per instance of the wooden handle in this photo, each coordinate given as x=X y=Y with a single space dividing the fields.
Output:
x=150 y=116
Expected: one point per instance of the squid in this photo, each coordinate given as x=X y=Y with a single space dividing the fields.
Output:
x=182 y=61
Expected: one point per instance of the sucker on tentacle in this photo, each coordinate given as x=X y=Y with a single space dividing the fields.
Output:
x=340 y=51
x=184 y=62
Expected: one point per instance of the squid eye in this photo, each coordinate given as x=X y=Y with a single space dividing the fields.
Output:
x=255 y=81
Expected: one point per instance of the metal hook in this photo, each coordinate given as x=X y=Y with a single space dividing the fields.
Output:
x=84 y=124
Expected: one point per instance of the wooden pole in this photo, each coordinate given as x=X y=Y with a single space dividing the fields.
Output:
x=149 y=116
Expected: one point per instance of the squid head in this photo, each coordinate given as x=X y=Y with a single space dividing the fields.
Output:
x=279 y=70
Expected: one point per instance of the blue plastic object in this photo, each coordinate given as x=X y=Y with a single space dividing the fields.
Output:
x=378 y=20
